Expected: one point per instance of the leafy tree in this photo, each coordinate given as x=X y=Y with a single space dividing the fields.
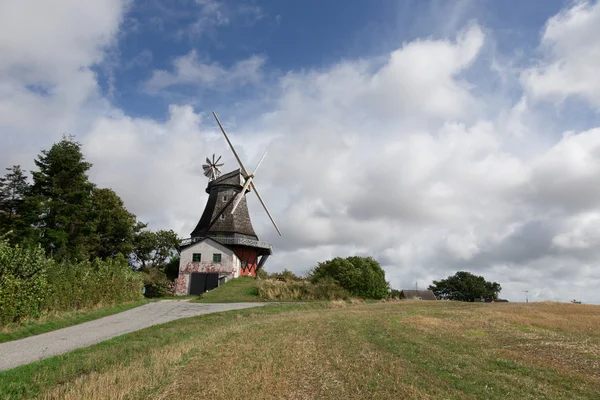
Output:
x=464 y=286
x=61 y=193
x=154 y=249
x=13 y=192
x=361 y=276
x=113 y=226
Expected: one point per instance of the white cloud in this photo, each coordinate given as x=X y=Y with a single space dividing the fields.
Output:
x=421 y=78
x=155 y=167
x=190 y=70
x=46 y=85
x=45 y=41
x=566 y=176
x=212 y=14
x=571 y=46
x=582 y=232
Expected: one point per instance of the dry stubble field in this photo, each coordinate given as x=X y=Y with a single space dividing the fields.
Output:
x=410 y=350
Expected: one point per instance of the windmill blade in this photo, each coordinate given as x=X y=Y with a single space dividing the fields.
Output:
x=249 y=180
x=208 y=161
x=218 y=160
x=259 y=162
x=241 y=194
x=230 y=145
x=265 y=207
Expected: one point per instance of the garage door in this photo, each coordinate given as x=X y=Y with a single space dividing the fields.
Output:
x=200 y=282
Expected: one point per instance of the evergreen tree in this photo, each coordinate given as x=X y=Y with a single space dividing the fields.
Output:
x=13 y=192
x=61 y=193
x=113 y=226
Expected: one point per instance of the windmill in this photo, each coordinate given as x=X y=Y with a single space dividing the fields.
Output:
x=223 y=245
x=211 y=169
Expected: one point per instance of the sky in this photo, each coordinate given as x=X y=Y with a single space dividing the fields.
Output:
x=434 y=136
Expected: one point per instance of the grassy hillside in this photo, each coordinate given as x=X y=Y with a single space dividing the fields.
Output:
x=411 y=350
x=239 y=290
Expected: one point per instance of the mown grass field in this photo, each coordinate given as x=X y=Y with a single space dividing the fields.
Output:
x=386 y=350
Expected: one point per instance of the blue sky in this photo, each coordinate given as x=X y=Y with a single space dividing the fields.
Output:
x=433 y=135
x=294 y=36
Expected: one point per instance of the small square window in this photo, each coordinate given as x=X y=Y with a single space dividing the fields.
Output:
x=224 y=199
x=222 y=216
x=196 y=257
x=217 y=257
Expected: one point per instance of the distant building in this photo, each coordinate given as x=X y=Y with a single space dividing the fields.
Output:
x=417 y=295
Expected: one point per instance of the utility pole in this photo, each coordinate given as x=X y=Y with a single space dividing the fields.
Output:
x=526 y=296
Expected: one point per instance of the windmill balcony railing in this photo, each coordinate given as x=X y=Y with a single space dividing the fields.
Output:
x=230 y=241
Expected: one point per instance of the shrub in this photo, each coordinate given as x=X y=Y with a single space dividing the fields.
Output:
x=361 y=276
x=31 y=284
x=262 y=274
x=92 y=284
x=300 y=290
x=157 y=284
x=285 y=275
x=24 y=285
x=172 y=268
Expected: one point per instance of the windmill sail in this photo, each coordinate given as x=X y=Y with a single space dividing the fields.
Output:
x=211 y=168
x=249 y=177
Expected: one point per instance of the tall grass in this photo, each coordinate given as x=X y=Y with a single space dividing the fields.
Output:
x=92 y=284
x=31 y=284
x=300 y=290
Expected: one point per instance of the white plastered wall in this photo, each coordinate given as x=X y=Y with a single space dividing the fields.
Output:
x=228 y=268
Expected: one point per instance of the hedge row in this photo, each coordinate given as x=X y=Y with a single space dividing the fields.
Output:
x=31 y=284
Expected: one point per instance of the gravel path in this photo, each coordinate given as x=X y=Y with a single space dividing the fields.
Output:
x=34 y=348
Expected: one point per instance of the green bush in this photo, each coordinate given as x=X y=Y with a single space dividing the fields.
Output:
x=92 y=284
x=31 y=284
x=262 y=274
x=361 y=276
x=285 y=275
x=300 y=290
x=172 y=269
x=157 y=284
x=24 y=287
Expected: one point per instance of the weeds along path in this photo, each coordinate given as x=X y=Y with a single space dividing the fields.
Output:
x=34 y=348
